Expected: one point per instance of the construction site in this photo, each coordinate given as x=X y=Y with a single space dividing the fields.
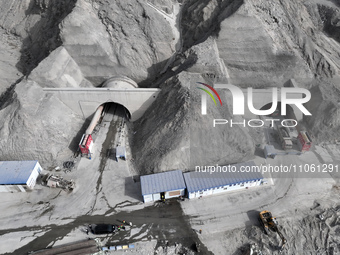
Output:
x=170 y=127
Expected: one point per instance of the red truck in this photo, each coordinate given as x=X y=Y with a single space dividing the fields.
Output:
x=304 y=141
x=86 y=144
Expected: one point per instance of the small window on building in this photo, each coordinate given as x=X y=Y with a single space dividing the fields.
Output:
x=242 y=184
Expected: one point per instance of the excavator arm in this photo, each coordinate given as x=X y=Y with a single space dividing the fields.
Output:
x=269 y=222
x=283 y=239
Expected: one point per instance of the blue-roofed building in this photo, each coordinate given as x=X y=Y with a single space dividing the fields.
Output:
x=237 y=176
x=162 y=185
x=18 y=175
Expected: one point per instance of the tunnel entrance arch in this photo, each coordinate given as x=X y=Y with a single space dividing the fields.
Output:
x=116 y=109
x=113 y=117
x=118 y=82
x=117 y=115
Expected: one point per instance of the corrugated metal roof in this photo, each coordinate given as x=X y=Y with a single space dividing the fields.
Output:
x=162 y=182
x=15 y=172
x=196 y=181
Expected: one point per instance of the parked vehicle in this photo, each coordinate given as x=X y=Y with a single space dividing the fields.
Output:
x=100 y=229
x=269 y=222
x=55 y=181
x=304 y=141
x=285 y=139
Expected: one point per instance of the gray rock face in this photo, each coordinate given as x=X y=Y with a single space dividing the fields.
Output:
x=250 y=56
x=175 y=135
x=259 y=41
x=117 y=38
x=208 y=59
x=201 y=19
x=58 y=70
x=248 y=43
x=36 y=23
x=163 y=132
x=37 y=126
x=9 y=57
x=325 y=108
x=297 y=27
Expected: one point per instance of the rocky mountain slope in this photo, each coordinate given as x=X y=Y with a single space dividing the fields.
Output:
x=177 y=133
x=247 y=43
x=168 y=44
x=109 y=38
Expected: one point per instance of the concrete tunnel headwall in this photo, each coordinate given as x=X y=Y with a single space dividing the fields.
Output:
x=120 y=82
x=118 y=89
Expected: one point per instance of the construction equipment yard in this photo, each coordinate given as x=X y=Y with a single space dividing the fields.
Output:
x=108 y=191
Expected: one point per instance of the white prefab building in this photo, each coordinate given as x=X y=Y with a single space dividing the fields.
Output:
x=201 y=184
x=18 y=175
x=162 y=185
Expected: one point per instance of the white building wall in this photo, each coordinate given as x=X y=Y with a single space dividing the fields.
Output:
x=191 y=195
x=223 y=189
x=156 y=197
x=219 y=190
x=34 y=175
x=21 y=188
x=147 y=198
x=168 y=193
x=12 y=188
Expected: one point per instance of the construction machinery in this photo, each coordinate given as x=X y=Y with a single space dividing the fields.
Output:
x=55 y=181
x=270 y=223
x=100 y=229
x=286 y=140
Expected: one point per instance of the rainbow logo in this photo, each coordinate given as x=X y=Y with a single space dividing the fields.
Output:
x=209 y=93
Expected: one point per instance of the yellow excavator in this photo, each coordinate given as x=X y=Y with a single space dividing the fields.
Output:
x=270 y=223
